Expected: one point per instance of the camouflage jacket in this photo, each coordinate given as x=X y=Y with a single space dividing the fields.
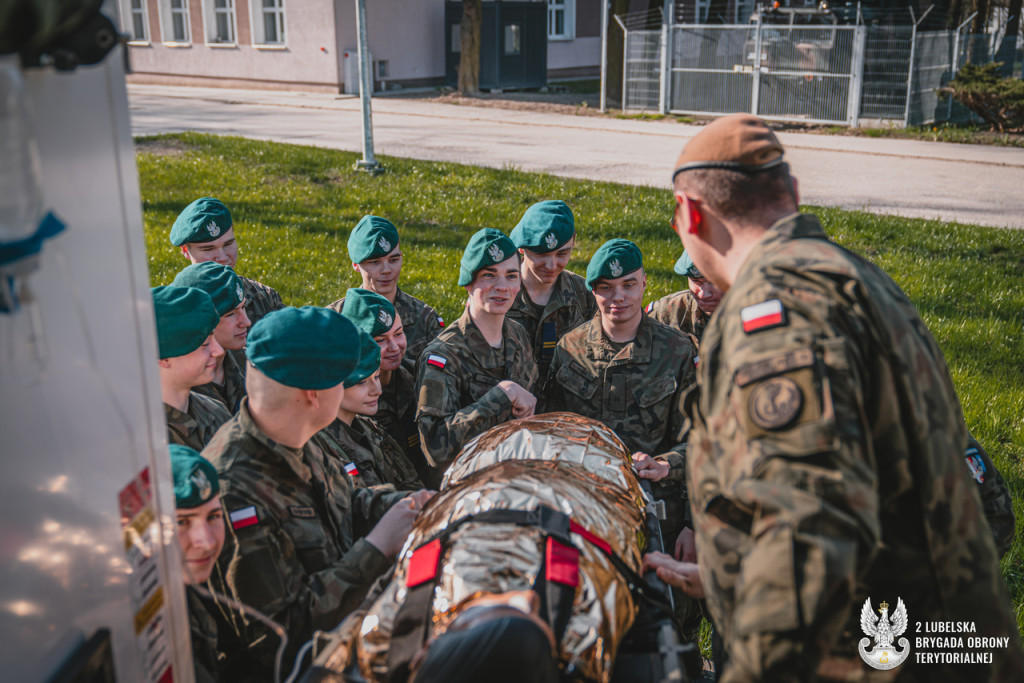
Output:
x=396 y=413
x=260 y=299
x=372 y=456
x=197 y=426
x=458 y=377
x=296 y=520
x=635 y=390
x=203 y=628
x=571 y=304
x=996 y=502
x=826 y=469
x=420 y=321
x=231 y=392
x=680 y=310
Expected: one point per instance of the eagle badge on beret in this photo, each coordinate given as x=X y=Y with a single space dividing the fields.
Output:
x=385 y=318
x=384 y=244
x=775 y=403
x=238 y=291
x=497 y=255
x=615 y=268
x=213 y=228
x=551 y=240
x=201 y=482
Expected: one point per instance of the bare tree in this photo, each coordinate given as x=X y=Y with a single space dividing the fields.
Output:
x=469 y=50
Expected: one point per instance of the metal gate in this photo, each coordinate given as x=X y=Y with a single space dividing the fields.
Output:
x=641 y=72
x=788 y=73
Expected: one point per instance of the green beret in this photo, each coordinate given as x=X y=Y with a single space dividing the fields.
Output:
x=369 y=311
x=369 y=360
x=185 y=317
x=614 y=259
x=486 y=248
x=204 y=220
x=195 y=479
x=685 y=267
x=217 y=280
x=304 y=348
x=372 y=237
x=545 y=227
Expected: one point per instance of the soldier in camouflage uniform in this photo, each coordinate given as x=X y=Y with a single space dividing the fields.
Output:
x=373 y=457
x=296 y=518
x=185 y=321
x=396 y=405
x=552 y=300
x=225 y=289
x=377 y=257
x=690 y=309
x=996 y=502
x=479 y=372
x=204 y=231
x=629 y=372
x=201 y=533
x=826 y=455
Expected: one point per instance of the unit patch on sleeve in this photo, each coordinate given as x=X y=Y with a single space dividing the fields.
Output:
x=763 y=316
x=775 y=403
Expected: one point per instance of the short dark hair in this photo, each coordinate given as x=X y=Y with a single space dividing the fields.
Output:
x=736 y=194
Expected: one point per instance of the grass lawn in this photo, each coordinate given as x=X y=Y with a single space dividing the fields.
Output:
x=293 y=209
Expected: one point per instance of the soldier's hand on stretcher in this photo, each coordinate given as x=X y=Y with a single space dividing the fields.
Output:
x=682 y=575
x=523 y=402
x=686 y=546
x=390 y=532
x=648 y=468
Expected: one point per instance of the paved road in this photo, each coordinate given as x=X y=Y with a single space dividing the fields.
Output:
x=967 y=183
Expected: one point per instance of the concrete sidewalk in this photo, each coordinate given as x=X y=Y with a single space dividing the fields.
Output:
x=967 y=183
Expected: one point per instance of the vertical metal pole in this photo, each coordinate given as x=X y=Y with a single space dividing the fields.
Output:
x=604 y=56
x=910 y=75
x=368 y=162
x=856 y=75
x=625 y=62
x=666 y=34
x=755 y=88
x=955 y=62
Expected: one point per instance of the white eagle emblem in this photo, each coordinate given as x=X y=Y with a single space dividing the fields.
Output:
x=884 y=630
x=615 y=268
x=551 y=240
x=385 y=318
x=201 y=482
x=384 y=244
x=238 y=291
x=213 y=228
x=497 y=255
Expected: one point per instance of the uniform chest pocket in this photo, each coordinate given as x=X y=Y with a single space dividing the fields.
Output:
x=310 y=541
x=654 y=403
x=480 y=384
x=576 y=382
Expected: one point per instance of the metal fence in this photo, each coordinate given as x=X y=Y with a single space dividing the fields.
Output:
x=811 y=74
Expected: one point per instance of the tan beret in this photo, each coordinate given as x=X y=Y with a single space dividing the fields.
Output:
x=738 y=142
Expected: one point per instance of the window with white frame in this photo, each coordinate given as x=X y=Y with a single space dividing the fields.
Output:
x=219 y=16
x=268 y=22
x=136 y=21
x=174 y=21
x=561 y=19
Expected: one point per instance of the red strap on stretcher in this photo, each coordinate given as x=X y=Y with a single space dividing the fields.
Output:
x=423 y=563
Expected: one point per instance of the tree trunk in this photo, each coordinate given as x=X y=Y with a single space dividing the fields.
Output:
x=469 y=50
x=1013 y=25
x=978 y=25
x=615 y=44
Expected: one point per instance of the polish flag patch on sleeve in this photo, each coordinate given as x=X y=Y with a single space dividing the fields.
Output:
x=436 y=361
x=763 y=316
x=351 y=469
x=650 y=307
x=243 y=518
x=440 y=321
